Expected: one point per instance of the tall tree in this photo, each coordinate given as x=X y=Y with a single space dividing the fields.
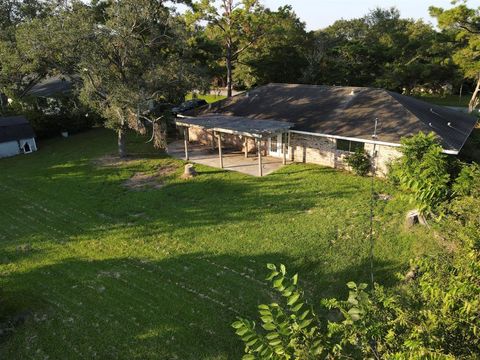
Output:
x=237 y=25
x=136 y=58
x=464 y=22
x=280 y=55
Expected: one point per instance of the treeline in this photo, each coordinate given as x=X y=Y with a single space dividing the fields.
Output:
x=129 y=59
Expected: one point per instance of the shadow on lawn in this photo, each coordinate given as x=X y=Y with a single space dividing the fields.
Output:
x=95 y=202
x=131 y=308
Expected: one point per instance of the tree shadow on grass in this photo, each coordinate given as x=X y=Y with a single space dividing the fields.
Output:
x=133 y=308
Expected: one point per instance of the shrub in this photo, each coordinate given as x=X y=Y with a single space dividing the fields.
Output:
x=433 y=316
x=423 y=171
x=468 y=181
x=360 y=162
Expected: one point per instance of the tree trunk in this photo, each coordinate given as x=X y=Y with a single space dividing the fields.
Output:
x=122 y=151
x=474 y=100
x=228 y=60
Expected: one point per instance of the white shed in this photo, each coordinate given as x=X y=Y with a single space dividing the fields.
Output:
x=16 y=136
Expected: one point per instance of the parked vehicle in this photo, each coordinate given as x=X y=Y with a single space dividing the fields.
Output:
x=188 y=105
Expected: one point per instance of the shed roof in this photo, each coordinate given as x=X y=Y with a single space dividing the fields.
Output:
x=237 y=125
x=348 y=112
x=15 y=128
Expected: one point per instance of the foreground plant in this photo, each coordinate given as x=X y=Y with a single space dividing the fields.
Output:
x=435 y=315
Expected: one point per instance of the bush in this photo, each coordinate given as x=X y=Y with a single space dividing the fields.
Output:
x=468 y=181
x=434 y=316
x=423 y=172
x=360 y=162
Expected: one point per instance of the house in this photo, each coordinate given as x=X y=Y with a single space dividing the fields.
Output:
x=16 y=136
x=323 y=124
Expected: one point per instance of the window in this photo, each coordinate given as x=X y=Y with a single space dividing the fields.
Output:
x=350 y=146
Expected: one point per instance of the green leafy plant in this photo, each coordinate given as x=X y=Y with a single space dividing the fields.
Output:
x=468 y=181
x=423 y=172
x=360 y=162
x=286 y=331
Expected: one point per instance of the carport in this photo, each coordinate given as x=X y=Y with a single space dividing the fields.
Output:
x=243 y=127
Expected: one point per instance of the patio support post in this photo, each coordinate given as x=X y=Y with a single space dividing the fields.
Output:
x=259 y=149
x=284 y=152
x=213 y=140
x=220 y=154
x=185 y=141
x=245 y=145
x=290 y=150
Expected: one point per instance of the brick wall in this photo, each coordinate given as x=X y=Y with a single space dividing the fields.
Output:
x=197 y=134
x=323 y=151
x=304 y=148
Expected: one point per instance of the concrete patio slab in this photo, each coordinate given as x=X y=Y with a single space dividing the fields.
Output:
x=233 y=160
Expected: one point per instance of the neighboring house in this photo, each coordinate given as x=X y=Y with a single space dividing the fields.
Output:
x=16 y=136
x=323 y=124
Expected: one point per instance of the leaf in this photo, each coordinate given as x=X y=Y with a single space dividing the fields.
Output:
x=304 y=315
x=351 y=285
x=272 y=335
x=271 y=267
x=269 y=326
x=237 y=324
x=305 y=323
x=252 y=342
x=248 y=357
x=263 y=307
x=293 y=299
x=295 y=279
x=355 y=314
x=297 y=307
x=278 y=283
x=283 y=269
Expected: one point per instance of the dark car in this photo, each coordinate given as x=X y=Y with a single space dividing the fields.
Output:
x=188 y=105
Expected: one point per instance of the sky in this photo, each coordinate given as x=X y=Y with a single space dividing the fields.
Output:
x=320 y=13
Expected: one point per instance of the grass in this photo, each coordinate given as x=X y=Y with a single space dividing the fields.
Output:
x=208 y=98
x=448 y=100
x=94 y=270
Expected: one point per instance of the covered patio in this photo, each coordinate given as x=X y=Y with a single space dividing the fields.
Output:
x=242 y=129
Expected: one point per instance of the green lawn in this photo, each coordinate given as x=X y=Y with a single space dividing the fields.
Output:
x=208 y=98
x=448 y=100
x=90 y=269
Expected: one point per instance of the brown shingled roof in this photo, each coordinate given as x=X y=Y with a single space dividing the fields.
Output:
x=348 y=111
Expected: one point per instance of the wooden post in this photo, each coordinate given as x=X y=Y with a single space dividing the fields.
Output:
x=245 y=145
x=284 y=151
x=220 y=154
x=260 y=165
x=213 y=140
x=290 y=150
x=185 y=141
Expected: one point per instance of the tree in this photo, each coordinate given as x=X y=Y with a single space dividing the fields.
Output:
x=278 y=56
x=382 y=49
x=465 y=24
x=238 y=26
x=137 y=57
x=42 y=45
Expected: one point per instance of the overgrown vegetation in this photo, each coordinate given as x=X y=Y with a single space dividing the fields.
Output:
x=423 y=171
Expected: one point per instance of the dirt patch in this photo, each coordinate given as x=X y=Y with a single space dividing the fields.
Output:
x=156 y=180
x=113 y=160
